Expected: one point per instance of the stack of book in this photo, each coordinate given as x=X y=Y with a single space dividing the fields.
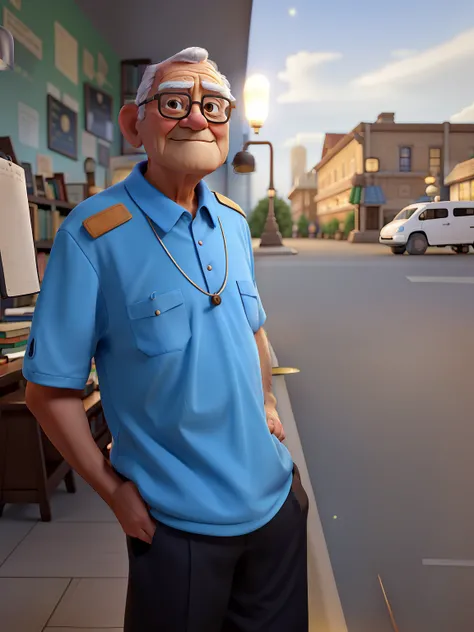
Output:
x=19 y=315
x=13 y=339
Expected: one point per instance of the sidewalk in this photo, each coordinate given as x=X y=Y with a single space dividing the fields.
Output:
x=67 y=575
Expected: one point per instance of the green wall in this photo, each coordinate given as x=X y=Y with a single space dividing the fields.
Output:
x=28 y=83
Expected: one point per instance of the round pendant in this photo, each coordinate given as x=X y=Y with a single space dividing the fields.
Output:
x=216 y=299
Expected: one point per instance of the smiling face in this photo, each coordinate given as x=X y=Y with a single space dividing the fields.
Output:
x=192 y=145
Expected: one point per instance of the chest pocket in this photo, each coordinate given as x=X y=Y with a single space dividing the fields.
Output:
x=250 y=300
x=160 y=324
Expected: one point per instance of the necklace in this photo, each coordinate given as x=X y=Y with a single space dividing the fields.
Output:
x=216 y=298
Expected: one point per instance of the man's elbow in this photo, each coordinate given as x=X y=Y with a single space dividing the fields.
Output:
x=38 y=396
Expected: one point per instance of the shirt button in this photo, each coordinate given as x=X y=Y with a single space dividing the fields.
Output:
x=209 y=268
x=157 y=313
x=200 y=243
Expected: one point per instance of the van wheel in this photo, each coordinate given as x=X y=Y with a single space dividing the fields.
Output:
x=461 y=250
x=417 y=244
x=398 y=250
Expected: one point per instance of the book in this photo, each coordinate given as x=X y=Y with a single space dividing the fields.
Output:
x=6 y=344
x=15 y=355
x=9 y=330
x=12 y=339
x=19 y=311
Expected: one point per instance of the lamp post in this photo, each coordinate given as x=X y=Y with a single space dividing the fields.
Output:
x=431 y=188
x=256 y=97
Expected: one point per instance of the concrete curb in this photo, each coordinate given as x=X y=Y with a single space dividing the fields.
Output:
x=325 y=609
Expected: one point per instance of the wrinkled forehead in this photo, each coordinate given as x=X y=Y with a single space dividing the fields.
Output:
x=195 y=73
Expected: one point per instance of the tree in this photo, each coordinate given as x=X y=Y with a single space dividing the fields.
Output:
x=349 y=223
x=259 y=215
x=303 y=226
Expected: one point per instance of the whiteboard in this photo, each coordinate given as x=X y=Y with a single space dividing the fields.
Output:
x=18 y=269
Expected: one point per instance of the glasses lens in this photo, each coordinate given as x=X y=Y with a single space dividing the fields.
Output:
x=216 y=109
x=174 y=105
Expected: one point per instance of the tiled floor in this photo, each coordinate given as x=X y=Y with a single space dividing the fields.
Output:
x=68 y=575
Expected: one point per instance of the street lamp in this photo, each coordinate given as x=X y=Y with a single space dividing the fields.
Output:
x=431 y=188
x=257 y=97
x=257 y=100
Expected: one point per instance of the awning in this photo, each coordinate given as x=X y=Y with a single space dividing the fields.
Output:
x=368 y=196
x=423 y=198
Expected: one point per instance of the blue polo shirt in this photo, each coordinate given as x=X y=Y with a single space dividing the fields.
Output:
x=180 y=379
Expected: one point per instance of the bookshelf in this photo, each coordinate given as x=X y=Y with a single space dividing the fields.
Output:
x=52 y=204
x=131 y=75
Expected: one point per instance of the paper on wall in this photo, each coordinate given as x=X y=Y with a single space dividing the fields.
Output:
x=65 y=53
x=102 y=70
x=88 y=63
x=44 y=165
x=19 y=273
x=89 y=145
x=28 y=125
x=53 y=91
x=22 y=33
x=71 y=103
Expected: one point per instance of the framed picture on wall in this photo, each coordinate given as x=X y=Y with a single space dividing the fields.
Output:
x=99 y=112
x=62 y=128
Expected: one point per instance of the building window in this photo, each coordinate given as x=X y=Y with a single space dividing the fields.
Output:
x=353 y=165
x=335 y=175
x=464 y=191
x=405 y=159
x=435 y=161
x=343 y=170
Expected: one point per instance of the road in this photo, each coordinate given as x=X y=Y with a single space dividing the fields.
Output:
x=384 y=406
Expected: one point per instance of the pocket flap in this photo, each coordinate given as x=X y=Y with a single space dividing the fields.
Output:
x=247 y=288
x=161 y=302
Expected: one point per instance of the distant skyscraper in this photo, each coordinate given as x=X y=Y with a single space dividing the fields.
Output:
x=298 y=162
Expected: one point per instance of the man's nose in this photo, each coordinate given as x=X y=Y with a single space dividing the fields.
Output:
x=195 y=121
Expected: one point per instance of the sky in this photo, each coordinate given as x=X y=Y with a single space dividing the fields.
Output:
x=334 y=65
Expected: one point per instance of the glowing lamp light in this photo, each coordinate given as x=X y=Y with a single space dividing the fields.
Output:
x=431 y=190
x=257 y=101
x=430 y=180
x=7 y=49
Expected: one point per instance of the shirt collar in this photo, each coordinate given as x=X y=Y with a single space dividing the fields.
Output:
x=164 y=212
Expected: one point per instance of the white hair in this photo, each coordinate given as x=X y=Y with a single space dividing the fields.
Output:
x=193 y=55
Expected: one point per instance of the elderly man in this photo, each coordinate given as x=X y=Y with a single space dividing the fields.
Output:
x=154 y=278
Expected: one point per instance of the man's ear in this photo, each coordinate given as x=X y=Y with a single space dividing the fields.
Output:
x=128 y=118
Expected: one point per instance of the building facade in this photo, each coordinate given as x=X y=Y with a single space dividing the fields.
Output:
x=303 y=196
x=298 y=162
x=461 y=181
x=378 y=168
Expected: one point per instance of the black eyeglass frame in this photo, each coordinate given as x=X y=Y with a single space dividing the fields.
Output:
x=158 y=95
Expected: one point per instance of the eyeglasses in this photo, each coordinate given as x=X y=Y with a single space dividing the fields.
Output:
x=178 y=105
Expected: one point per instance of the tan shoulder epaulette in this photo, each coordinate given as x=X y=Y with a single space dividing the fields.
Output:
x=106 y=220
x=222 y=199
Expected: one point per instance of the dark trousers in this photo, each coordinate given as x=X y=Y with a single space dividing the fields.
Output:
x=192 y=583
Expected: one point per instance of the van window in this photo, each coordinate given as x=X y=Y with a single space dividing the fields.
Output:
x=463 y=212
x=434 y=213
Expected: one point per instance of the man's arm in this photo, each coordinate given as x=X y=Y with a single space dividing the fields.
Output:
x=273 y=420
x=60 y=413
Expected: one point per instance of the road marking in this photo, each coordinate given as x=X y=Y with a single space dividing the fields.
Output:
x=461 y=563
x=465 y=280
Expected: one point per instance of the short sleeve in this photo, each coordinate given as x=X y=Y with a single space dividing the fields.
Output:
x=262 y=317
x=69 y=319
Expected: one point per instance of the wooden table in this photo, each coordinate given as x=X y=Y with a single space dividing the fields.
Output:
x=30 y=466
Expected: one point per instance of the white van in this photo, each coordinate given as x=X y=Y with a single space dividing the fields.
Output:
x=431 y=224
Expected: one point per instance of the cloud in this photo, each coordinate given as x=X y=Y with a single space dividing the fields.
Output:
x=403 y=53
x=466 y=115
x=424 y=64
x=305 y=138
x=301 y=76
